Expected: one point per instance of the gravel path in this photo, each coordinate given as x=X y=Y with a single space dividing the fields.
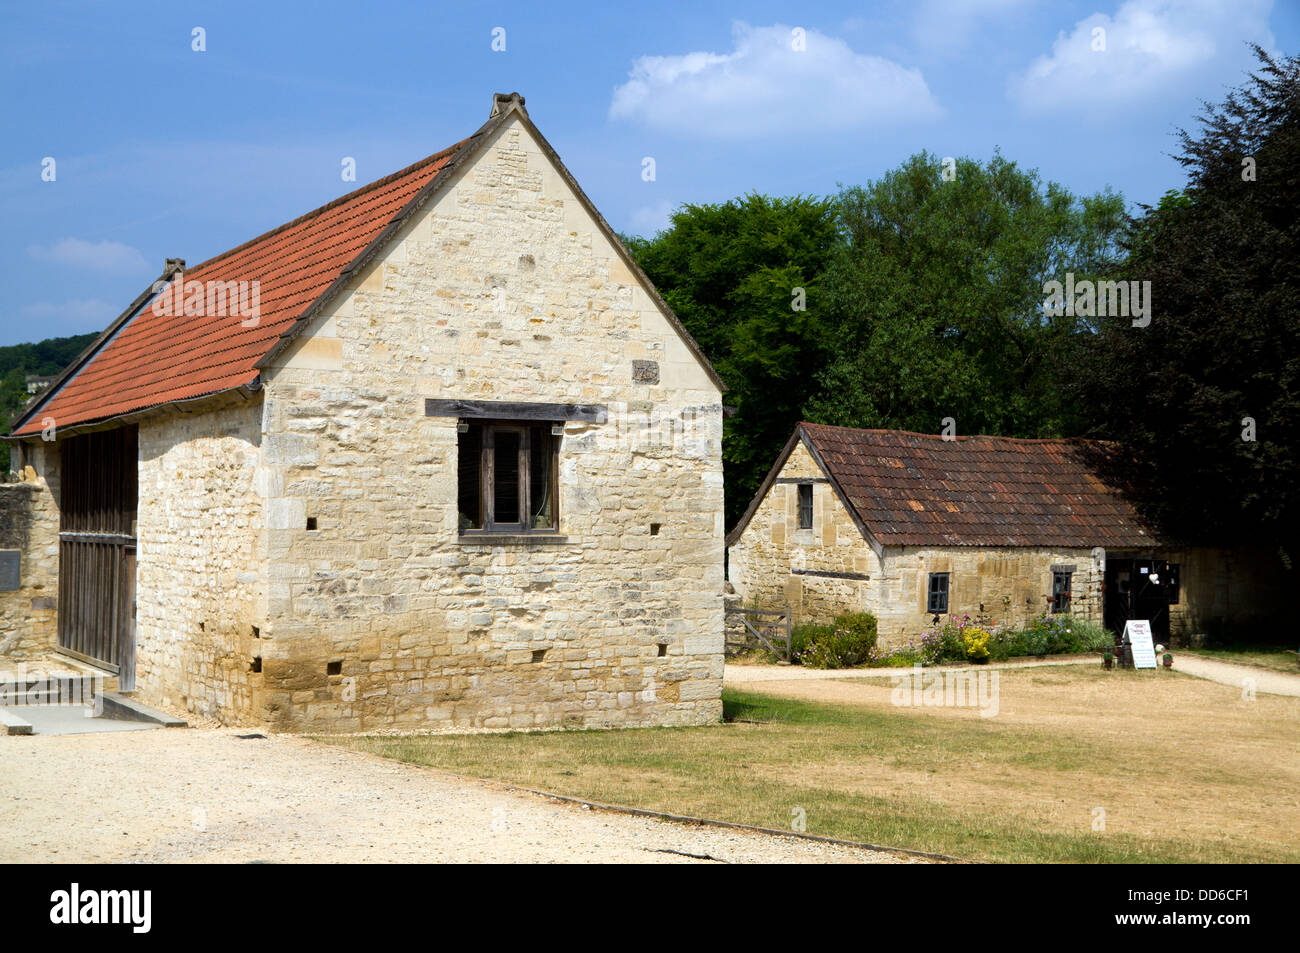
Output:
x=207 y=796
x=746 y=674
x=1265 y=680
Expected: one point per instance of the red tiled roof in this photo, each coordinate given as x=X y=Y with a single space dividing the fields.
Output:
x=156 y=359
x=914 y=489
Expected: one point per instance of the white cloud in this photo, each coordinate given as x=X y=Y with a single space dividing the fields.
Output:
x=764 y=87
x=105 y=256
x=1151 y=46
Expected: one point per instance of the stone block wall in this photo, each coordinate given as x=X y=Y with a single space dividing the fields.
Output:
x=1009 y=586
x=819 y=572
x=201 y=561
x=1225 y=593
x=382 y=615
x=29 y=523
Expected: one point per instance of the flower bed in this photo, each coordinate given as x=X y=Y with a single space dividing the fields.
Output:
x=850 y=642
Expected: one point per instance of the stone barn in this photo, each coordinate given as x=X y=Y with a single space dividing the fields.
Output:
x=915 y=526
x=434 y=454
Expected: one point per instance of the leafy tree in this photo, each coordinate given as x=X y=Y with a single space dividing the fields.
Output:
x=939 y=298
x=45 y=358
x=732 y=273
x=1223 y=344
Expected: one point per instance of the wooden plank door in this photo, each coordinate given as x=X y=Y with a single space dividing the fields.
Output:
x=98 y=495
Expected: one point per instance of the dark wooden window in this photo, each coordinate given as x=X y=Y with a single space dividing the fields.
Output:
x=805 y=505
x=938 y=601
x=1061 y=582
x=508 y=477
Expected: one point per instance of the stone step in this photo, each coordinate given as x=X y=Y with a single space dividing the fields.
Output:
x=37 y=688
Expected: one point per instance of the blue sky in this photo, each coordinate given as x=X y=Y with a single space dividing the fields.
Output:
x=161 y=150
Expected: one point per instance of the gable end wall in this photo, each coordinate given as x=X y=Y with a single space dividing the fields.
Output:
x=502 y=288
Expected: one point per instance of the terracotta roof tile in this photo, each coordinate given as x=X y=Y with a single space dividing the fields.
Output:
x=155 y=359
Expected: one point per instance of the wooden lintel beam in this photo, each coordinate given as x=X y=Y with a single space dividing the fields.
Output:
x=514 y=410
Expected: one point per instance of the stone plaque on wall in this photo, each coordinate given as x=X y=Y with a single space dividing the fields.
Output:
x=645 y=372
x=10 y=560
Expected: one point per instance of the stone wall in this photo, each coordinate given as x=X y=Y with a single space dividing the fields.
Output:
x=818 y=572
x=382 y=615
x=1008 y=586
x=201 y=561
x=29 y=523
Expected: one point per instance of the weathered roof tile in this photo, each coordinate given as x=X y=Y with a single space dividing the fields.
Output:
x=914 y=489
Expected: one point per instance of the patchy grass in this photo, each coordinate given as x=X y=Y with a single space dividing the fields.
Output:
x=1185 y=770
x=1276 y=657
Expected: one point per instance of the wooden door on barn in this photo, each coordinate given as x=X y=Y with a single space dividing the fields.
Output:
x=1140 y=589
x=98 y=496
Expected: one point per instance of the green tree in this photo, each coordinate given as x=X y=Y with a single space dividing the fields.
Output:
x=45 y=358
x=745 y=277
x=939 y=298
x=1222 y=351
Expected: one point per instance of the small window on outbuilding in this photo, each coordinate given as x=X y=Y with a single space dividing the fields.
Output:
x=805 y=505
x=507 y=477
x=938 y=600
x=1061 y=585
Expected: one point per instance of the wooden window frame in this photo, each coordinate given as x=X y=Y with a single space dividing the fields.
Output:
x=800 y=490
x=1062 y=606
x=487 y=477
x=930 y=592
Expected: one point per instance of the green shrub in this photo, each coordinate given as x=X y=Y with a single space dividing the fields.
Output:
x=860 y=626
x=1035 y=641
x=952 y=646
x=805 y=634
x=1085 y=635
x=851 y=641
x=1007 y=644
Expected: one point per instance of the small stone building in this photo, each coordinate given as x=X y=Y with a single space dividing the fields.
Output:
x=912 y=527
x=435 y=454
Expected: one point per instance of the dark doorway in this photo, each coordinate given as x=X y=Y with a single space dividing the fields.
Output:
x=97 y=499
x=1140 y=589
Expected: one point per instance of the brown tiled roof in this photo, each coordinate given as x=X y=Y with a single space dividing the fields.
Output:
x=913 y=489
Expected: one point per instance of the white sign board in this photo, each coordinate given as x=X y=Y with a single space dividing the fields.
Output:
x=1137 y=632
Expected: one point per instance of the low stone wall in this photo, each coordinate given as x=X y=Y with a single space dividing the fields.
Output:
x=29 y=523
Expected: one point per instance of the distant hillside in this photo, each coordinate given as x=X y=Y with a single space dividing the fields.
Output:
x=45 y=358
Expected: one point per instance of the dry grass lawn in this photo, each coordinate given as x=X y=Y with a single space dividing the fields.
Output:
x=1185 y=770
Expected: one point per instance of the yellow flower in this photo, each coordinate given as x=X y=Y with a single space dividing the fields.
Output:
x=976 y=641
